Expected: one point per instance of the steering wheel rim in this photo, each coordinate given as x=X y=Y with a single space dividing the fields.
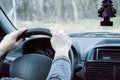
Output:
x=35 y=31
x=42 y=31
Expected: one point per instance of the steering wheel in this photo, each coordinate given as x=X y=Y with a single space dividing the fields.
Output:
x=34 y=66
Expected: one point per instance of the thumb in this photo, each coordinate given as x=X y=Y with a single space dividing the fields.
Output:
x=19 y=41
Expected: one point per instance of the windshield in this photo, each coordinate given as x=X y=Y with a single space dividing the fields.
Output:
x=72 y=16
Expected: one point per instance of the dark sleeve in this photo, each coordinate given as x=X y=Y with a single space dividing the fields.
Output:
x=4 y=69
x=60 y=69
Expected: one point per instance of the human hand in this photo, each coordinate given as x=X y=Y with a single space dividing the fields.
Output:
x=9 y=42
x=60 y=42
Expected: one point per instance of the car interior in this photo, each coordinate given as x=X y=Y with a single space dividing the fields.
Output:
x=93 y=55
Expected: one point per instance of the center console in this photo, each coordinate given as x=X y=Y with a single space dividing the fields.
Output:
x=103 y=64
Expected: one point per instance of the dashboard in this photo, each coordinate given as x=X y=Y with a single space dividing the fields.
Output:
x=95 y=58
x=100 y=58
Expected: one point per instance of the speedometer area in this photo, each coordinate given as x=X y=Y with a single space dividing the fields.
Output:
x=44 y=51
x=38 y=46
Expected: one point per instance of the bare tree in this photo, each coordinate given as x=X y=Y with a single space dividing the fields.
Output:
x=56 y=10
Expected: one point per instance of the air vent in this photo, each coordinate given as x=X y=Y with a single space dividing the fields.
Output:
x=118 y=73
x=100 y=72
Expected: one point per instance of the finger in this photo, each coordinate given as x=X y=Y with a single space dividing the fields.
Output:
x=19 y=41
x=61 y=32
x=67 y=36
x=15 y=34
x=52 y=31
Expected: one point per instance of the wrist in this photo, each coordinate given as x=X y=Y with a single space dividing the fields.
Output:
x=61 y=53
